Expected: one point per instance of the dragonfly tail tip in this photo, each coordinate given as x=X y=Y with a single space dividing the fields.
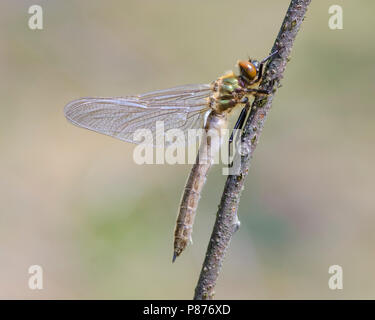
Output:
x=174 y=256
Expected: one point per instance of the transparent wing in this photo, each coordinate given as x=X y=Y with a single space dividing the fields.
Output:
x=181 y=107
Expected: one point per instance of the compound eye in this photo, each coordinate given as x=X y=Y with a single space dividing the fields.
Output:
x=248 y=69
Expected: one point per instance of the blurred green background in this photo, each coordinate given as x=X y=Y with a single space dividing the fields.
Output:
x=74 y=202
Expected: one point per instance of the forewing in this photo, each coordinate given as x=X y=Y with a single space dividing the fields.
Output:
x=181 y=107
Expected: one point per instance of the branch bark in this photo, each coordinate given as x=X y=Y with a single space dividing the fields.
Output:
x=227 y=223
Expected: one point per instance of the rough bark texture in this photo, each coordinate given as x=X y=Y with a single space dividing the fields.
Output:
x=226 y=222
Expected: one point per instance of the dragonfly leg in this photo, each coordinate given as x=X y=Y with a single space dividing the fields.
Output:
x=260 y=72
x=261 y=65
x=261 y=91
x=241 y=118
x=239 y=124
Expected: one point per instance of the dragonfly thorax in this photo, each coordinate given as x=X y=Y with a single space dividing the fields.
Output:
x=229 y=91
x=225 y=93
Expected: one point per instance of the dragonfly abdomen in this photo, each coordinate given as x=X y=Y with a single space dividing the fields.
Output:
x=188 y=206
x=210 y=145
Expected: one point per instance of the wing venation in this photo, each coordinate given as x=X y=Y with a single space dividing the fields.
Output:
x=181 y=107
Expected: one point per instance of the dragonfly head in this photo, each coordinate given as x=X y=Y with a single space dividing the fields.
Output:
x=248 y=69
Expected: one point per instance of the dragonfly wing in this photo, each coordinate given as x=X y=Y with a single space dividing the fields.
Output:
x=181 y=107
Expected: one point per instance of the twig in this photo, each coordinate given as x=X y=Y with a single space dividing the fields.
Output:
x=226 y=223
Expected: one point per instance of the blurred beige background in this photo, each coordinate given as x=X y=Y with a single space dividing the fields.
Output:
x=74 y=202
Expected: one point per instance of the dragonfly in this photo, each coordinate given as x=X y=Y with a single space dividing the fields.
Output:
x=194 y=106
